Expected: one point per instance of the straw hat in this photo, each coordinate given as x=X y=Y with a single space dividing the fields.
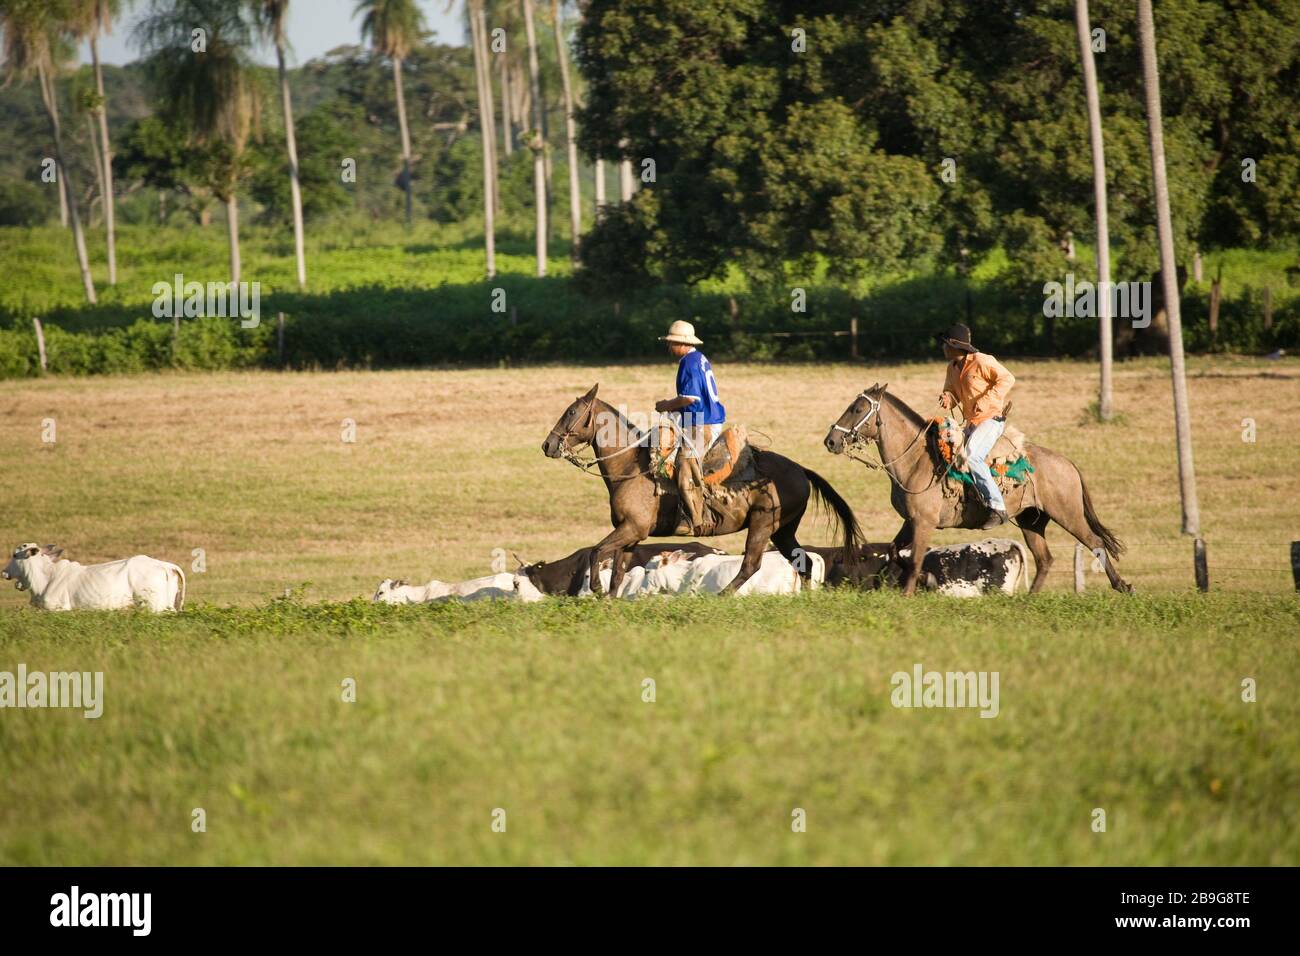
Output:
x=682 y=333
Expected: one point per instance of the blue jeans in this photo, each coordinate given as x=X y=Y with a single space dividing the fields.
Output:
x=980 y=440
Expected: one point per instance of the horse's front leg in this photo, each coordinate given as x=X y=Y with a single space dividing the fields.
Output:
x=612 y=545
x=920 y=542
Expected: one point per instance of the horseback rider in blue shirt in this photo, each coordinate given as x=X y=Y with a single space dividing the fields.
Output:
x=700 y=414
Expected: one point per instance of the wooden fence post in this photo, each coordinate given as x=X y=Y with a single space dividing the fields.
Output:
x=1295 y=563
x=853 y=337
x=1202 y=569
x=1081 y=554
x=40 y=343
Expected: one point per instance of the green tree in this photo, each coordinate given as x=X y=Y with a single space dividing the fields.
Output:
x=200 y=71
x=393 y=28
x=34 y=37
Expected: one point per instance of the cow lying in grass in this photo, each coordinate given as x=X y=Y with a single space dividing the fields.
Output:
x=571 y=576
x=689 y=571
x=69 y=586
x=488 y=588
x=961 y=570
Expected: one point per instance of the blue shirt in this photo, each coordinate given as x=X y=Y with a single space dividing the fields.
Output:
x=695 y=380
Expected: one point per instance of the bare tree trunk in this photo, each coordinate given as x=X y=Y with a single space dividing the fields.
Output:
x=570 y=132
x=406 y=136
x=232 y=230
x=1104 y=407
x=507 y=123
x=63 y=200
x=489 y=121
x=50 y=95
x=1169 y=270
x=295 y=187
x=489 y=201
x=110 y=223
x=99 y=167
x=600 y=186
x=536 y=140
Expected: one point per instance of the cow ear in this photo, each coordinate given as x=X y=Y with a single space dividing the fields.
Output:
x=52 y=551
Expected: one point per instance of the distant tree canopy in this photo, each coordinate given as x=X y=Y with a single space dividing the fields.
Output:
x=783 y=150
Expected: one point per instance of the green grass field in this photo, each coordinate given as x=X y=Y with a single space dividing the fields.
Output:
x=1131 y=705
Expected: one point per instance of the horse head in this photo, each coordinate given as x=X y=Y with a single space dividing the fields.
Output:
x=860 y=421
x=577 y=426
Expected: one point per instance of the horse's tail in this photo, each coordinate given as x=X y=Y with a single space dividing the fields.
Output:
x=846 y=521
x=1114 y=547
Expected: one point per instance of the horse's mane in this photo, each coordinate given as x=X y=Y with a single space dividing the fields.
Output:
x=904 y=409
x=637 y=435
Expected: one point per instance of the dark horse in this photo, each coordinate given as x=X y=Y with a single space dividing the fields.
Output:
x=910 y=456
x=770 y=507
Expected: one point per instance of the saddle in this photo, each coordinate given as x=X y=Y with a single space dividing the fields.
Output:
x=729 y=460
x=1007 y=460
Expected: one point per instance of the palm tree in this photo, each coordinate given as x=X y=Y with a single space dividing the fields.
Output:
x=1168 y=267
x=89 y=19
x=477 y=26
x=536 y=140
x=1104 y=410
x=394 y=28
x=271 y=17
x=32 y=34
x=570 y=129
x=211 y=95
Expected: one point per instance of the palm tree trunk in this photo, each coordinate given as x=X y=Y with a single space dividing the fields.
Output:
x=1168 y=270
x=507 y=124
x=295 y=187
x=570 y=132
x=49 y=94
x=406 y=136
x=489 y=121
x=489 y=200
x=99 y=167
x=110 y=225
x=536 y=139
x=600 y=186
x=1104 y=408
x=232 y=229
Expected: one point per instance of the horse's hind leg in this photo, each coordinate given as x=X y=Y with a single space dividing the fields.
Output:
x=1077 y=525
x=786 y=542
x=1033 y=524
x=760 y=533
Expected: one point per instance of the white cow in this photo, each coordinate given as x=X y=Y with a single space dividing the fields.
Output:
x=677 y=573
x=488 y=588
x=57 y=585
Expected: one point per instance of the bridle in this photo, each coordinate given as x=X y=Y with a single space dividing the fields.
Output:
x=855 y=441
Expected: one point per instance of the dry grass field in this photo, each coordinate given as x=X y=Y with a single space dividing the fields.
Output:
x=446 y=467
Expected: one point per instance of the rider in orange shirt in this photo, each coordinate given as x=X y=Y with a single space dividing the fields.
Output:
x=979 y=383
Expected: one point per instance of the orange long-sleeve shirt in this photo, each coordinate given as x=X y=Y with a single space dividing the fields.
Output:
x=981 y=383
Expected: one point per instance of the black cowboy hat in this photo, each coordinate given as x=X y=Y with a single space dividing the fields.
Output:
x=958 y=336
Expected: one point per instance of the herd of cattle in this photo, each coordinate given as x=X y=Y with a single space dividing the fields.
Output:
x=994 y=565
